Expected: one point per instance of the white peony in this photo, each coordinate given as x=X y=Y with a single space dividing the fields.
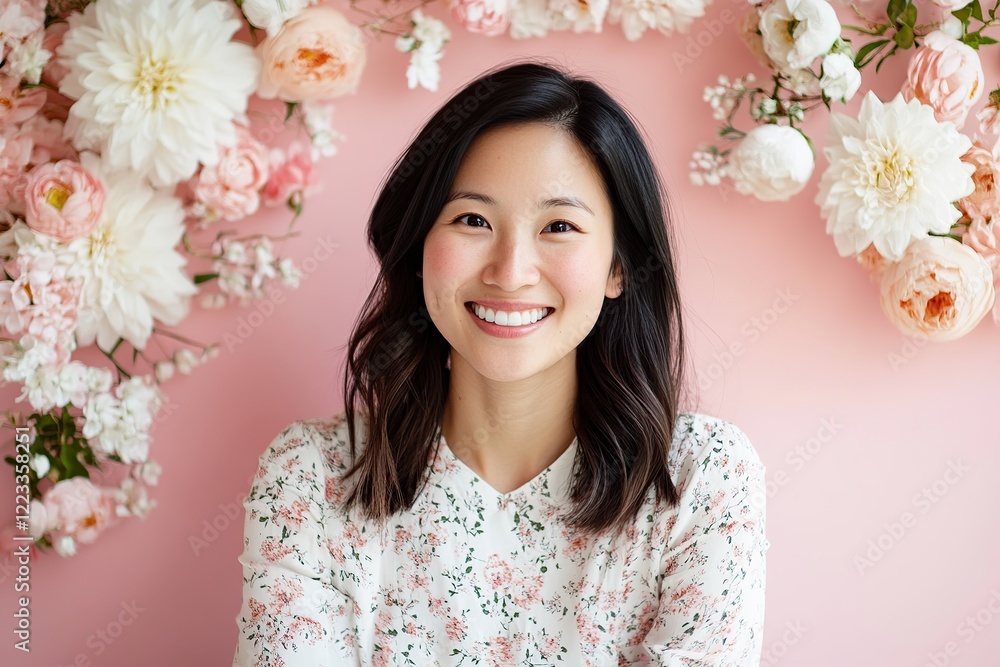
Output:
x=157 y=83
x=132 y=272
x=772 y=162
x=796 y=32
x=271 y=14
x=667 y=16
x=894 y=173
x=841 y=79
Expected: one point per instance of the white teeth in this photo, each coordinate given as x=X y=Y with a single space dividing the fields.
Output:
x=514 y=319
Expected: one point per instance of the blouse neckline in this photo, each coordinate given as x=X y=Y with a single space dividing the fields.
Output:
x=555 y=476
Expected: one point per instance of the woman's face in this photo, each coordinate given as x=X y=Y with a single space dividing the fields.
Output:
x=527 y=221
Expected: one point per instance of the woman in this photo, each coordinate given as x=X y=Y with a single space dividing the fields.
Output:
x=517 y=485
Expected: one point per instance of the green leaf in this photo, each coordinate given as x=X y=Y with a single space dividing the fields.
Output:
x=903 y=38
x=204 y=277
x=972 y=39
x=69 y=460
x=289 y=109
x=963 y=14
x=894 y=9
x=909 y=15
x=977 y=11
x=871 y=47
x=986 y=40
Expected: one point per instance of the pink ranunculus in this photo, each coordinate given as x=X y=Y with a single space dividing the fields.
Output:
x=940 y=289
x=79 y=508
x=319 y=54
x=294 y=173
x=63 y=200
x=985 y=199
x=946 y=75
x=487 y=17
x=54 y=70
x=230 y=188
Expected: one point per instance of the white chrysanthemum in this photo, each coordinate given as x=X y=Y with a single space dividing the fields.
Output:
x=132 y=272
x=666 y=16
x=157 y=83
x=894 y=173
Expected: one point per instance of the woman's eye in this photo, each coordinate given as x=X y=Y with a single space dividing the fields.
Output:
x=471 y=216
x=568 y=226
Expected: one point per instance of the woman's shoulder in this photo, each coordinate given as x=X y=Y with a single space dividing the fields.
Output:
x=324 y=439
x=708 y=445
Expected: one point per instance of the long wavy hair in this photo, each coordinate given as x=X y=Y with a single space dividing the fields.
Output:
x=629 y=366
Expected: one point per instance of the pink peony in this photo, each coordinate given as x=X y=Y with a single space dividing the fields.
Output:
x=15 y=155
x=985 y=199
x=316 y=55
x=294 y=174
x=63 y=200
x=940 y=289
x=54 y=70
x=946 y=75
x=79 y=508
x=17 y=105
x=487 y=17
x=229 y=189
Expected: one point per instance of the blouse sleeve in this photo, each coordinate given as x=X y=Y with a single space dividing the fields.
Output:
x=290 y=616
x=711 y=611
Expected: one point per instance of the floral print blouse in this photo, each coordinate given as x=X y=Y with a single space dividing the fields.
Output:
x=470 y=576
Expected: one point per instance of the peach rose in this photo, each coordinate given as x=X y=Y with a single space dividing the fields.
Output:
x=939 y=289
x=750 y=34
x=79 y=508
x=486 y=17
x=63 y=200
x=316 y=55
x=985 y=199
x=946 y=75
x=230 y=188
x=874 y=263
x=983 y=236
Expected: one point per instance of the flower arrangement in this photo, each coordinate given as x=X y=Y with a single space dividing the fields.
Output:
x=129 y=154
x=906 y=191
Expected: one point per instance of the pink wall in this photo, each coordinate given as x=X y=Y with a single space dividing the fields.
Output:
x=817 y=375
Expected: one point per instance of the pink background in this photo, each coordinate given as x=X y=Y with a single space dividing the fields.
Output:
x=850 y=439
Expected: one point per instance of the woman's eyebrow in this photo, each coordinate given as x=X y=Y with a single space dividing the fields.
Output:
x=551 y=202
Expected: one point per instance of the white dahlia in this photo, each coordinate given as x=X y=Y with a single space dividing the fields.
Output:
x=157 y=83
x=667 y=16
x=894 y=173
x=132 y=272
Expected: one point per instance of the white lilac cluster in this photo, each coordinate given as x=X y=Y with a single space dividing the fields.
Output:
x=243 y=267
x=723 y=96
x=425 y=43
x=118 y=421
x=318 y=118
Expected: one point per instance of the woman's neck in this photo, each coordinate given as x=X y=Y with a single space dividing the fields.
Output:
x=508 y=432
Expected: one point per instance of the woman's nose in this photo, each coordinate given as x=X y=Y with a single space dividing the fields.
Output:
x=512 y=263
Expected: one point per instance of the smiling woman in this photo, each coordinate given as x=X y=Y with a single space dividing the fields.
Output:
x=512 y=482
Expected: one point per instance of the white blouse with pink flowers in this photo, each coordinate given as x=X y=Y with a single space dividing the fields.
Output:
x=470 y=576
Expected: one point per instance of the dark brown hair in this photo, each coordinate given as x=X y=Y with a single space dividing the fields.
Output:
x=629 y=366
